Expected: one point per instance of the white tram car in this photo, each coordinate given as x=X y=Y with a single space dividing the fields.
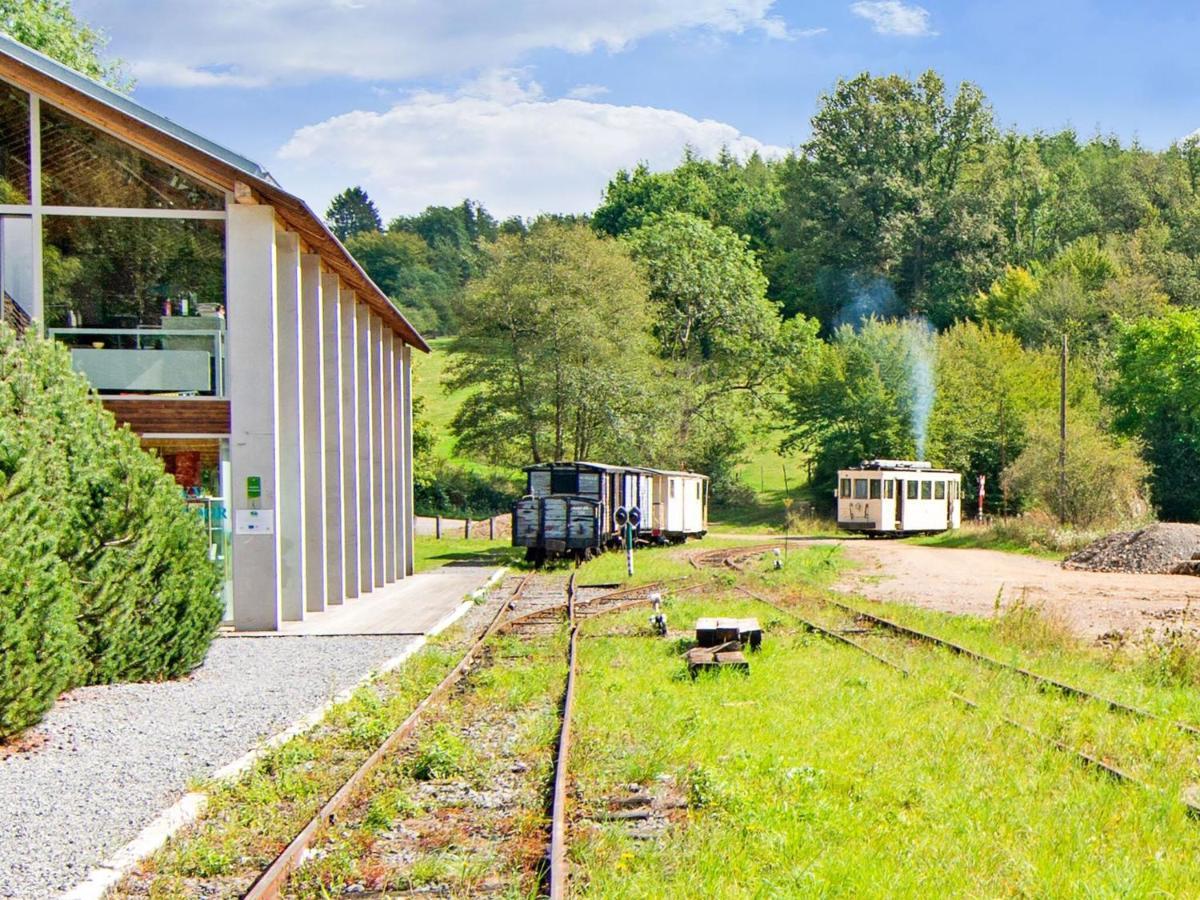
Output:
x=898 y=497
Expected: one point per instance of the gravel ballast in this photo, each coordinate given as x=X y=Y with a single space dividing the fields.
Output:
x=116 y=755
x=1163 y=548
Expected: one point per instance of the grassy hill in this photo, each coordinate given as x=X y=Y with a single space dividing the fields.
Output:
x=771 y=476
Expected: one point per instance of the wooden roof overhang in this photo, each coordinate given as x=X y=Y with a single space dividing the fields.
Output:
x=293 y=212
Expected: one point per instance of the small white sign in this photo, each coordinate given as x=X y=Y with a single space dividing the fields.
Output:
x=254 y=521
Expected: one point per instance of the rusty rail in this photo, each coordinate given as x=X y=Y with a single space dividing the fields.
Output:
x=559 y=873
x=1069 y=690
x=826 y=632
x=1087 y=760
x=268 y=885
x=583 y=608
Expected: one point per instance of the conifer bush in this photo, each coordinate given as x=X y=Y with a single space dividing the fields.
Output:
x=105 y=575
x=38 y=640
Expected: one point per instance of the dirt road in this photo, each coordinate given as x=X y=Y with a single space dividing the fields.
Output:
x=968 y=581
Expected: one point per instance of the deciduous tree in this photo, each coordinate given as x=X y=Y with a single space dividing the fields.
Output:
x=555 y=351
x=53 y=28
x=1156 y=395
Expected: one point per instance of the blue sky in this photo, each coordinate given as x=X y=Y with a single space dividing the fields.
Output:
x=530 y=106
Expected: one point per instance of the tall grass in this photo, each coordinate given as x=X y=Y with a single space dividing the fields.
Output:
x=826 y=774
x=1035 y=534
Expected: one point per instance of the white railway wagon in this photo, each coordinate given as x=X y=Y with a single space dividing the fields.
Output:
x=896 y=497
x=680 y=507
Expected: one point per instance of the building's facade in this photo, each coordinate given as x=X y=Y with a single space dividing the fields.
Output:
x=217 y=316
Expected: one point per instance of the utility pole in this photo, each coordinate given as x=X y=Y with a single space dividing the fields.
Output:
x=1062 y=436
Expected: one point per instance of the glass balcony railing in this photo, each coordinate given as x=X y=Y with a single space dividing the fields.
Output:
x=184 y=357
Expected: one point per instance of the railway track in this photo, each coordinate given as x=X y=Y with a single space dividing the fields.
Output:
x=1088 y=760
x=274 y=878
x=879 y=622
x=538 y=606
x=728 y=556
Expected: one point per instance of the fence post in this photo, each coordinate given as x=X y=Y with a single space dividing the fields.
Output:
x=467 y=530
x=491 y=528
x=437 y=527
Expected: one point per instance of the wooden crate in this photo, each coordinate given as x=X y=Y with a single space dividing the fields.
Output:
x=712 y=632
x=726 y=656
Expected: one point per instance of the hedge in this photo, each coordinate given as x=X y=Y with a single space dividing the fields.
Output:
x=105 y=573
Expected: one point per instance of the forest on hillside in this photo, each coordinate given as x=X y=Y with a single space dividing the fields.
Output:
x=898 y=286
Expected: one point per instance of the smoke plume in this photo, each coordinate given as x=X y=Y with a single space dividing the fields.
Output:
x=874 y=298
x=922 y=358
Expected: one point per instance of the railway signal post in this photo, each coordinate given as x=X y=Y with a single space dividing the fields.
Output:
x=628 y=521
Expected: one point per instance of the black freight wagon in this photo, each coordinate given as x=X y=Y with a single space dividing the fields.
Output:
x=570 y=508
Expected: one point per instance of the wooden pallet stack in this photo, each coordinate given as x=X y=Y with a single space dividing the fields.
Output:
x=720 y=643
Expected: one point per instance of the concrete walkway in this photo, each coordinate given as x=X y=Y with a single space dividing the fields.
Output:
x=109 y=758
x=412 y=606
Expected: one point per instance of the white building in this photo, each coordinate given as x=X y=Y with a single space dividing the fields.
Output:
x=217 y=316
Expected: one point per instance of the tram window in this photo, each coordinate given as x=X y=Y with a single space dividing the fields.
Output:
x=912 y=490
x=889 y=489
x=939 y=490
x=845 y=488
x=926 y=490
x=876 y=488
x=860 y=489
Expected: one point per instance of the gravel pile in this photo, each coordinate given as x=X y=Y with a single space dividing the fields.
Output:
x=116 y=755
x=1163 y=548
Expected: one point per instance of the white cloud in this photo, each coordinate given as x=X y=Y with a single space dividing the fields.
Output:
x=587 y=91
x=191 y=42
x=894 y=17
x=514 y=150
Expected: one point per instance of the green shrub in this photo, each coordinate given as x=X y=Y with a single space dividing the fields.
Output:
x=38 y=641
x=448 y=490
x=99 y=546
x=1105 y=476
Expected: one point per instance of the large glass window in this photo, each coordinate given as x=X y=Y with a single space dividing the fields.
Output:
x=14 y=146
x=16 y=270
x=140 y=301
x=860 y=489
x=82 y=166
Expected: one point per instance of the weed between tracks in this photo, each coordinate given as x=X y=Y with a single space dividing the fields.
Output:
x=825 y=774
x=463 y=811
x=249 y=821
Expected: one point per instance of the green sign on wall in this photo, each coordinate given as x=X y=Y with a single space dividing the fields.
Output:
x=254 y=487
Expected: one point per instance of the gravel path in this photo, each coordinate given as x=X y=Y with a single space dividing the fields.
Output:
x=968 y=581
x=115 y=756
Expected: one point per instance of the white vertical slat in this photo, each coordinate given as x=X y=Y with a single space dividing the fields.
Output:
x=362 y=358
x=331 y=352
x=350 y=495
x=388 y=376
x=250 y=317
x=406 y=449
x=378 y=531
x=312 y=425
x=289 y=510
